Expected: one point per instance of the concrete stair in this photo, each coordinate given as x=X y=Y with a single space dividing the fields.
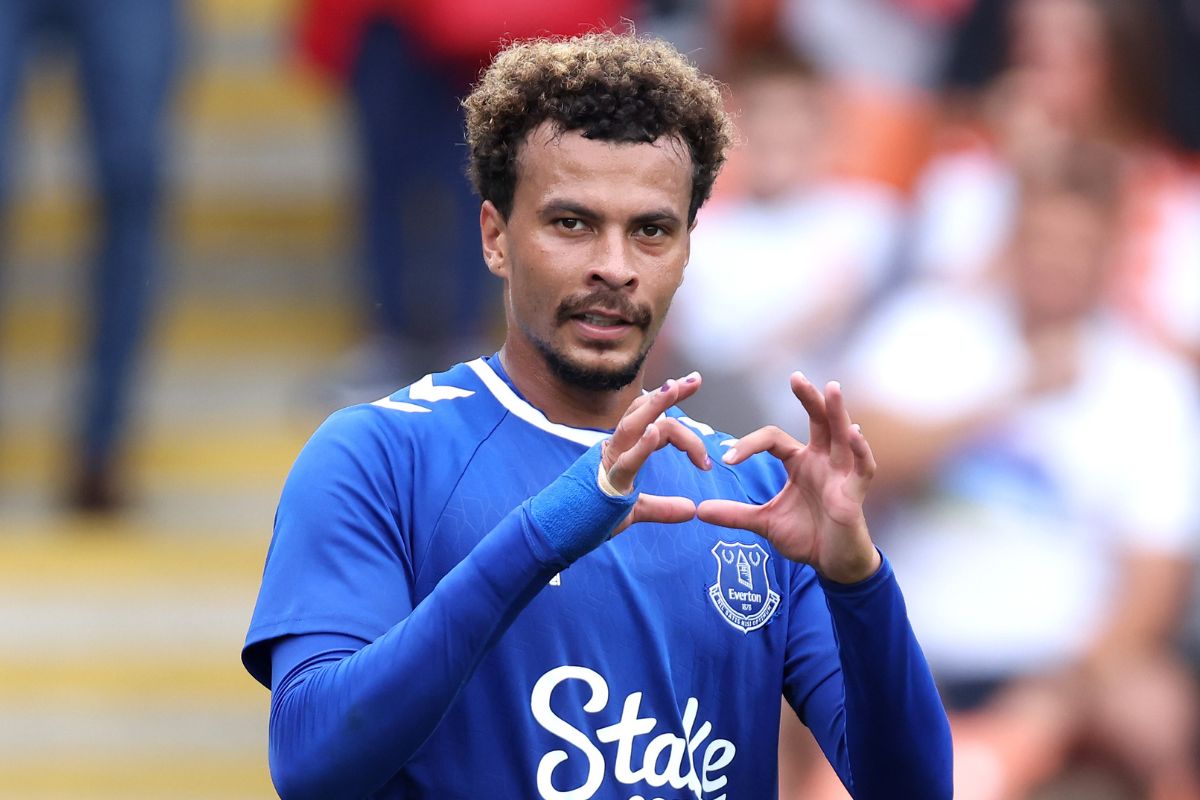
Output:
x=119 y=637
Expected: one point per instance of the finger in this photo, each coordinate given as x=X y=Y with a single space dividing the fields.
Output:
x=644 y=410
x=641 y=412
x=656 y=508
x=864 y=465
x=838 y=418
x=732 y=514
x=627 y=464
x=814 y=404
x=769 y=439
x=688 y=385
x=683 y=438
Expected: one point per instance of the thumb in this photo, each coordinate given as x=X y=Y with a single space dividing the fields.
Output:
x=657 y=508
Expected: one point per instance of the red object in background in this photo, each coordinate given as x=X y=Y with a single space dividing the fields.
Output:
x=464 y=31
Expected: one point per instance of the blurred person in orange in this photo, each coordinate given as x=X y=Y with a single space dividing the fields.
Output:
x=404 y=66
x=1077 y=71
x=1040 y=474
x=884 y=58
x=808 y=248
x=127 y=52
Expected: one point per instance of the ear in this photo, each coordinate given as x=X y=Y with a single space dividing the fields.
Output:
x=687 y=249
x=493 y=230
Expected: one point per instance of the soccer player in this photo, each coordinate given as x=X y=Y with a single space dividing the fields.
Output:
x=497 y=582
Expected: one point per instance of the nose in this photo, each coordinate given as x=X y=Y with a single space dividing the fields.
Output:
x=613 y=265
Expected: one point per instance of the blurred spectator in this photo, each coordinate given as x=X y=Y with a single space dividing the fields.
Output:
x=979 y=44
x=405 y=66
x=690 y=25
x=1041 y=460
x=1078 y=71
x=884 y=58
x=778 y=274
x=127 y=53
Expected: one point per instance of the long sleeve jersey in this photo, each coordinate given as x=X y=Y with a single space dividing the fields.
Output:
x=424 y=640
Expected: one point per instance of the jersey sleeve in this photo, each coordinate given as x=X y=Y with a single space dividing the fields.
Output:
x=338 y=560
x=855 y=675
x=877 y=716
x=362 y=670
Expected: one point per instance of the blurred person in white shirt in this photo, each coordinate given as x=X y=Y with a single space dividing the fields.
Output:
x=1077 y=72
x=1040 y=456
x=780 y=271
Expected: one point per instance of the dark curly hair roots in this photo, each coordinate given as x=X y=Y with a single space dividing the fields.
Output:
x=617 y=87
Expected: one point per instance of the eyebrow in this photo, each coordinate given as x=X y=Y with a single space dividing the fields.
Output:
x=656 y=215
x=555 y=205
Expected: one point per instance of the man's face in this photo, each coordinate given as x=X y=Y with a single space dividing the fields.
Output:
x=783 y=120
x=1061 y=257
x=592 y=252
x=1058 y=50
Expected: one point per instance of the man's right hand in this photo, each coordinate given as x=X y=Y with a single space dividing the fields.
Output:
x=642 y=430
x=595 y=499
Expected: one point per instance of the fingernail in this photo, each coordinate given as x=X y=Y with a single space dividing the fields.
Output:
x=692 y=377
x=729 y=456
x=707 y=462
x=666 y=387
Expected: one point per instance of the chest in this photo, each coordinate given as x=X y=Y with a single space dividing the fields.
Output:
x=690 y=592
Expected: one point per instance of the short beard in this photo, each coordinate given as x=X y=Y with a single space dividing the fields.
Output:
x=590 y=378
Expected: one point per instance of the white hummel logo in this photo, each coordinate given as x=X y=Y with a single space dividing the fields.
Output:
x=400 y=405
x=699 y=427
x=423 y=389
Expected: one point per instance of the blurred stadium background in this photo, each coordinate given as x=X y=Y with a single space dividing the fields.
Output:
x=119 y=675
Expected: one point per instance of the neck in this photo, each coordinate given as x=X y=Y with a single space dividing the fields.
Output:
x=562 y=402
x=1063 y=327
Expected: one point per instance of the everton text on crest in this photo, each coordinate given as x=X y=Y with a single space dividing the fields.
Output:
x=742 y=594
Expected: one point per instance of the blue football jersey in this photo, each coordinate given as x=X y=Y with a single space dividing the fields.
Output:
x=651 y=667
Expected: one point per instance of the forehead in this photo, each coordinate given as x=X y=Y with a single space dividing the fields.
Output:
x=607 y=175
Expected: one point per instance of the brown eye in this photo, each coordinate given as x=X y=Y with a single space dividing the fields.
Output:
x=570 y=224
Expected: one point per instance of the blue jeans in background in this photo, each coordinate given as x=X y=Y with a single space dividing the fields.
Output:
x=127 y=54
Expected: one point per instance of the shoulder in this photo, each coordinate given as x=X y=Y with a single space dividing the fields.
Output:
x=928 y=314
x=935 y=349
x=433 y=417
x=1139 y=371
x=451 y=403
x=849 y=199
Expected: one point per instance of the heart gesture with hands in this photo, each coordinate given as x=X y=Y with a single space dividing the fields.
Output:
x=643 y=429
x=817 y=517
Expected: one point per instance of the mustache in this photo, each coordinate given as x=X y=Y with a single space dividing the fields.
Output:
x=605 y=300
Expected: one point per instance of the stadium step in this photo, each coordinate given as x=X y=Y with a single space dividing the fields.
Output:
x=119 y=636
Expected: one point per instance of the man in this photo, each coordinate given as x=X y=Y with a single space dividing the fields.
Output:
x=127 y=54
x=443 y=613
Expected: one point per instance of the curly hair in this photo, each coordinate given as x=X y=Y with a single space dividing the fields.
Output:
x=616 y=87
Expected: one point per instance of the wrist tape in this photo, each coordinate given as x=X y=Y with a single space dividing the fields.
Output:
x=580 y=509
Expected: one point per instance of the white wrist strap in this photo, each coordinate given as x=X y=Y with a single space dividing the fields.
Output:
x=606 y=485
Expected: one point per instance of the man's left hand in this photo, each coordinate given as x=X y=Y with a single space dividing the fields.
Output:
x=817 y=517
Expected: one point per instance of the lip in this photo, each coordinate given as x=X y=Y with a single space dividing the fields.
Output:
x=603 y=333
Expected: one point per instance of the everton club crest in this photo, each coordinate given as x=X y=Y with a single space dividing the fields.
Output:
x=742 y=593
